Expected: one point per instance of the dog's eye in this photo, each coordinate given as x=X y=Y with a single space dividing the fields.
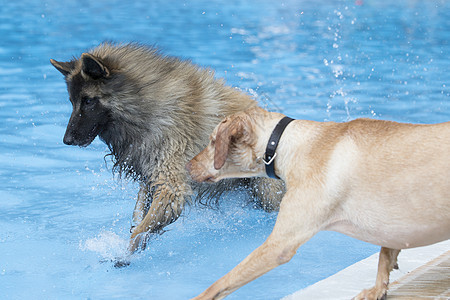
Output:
x=90 y=101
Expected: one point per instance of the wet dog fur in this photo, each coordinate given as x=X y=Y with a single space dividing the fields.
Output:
x=155 y=113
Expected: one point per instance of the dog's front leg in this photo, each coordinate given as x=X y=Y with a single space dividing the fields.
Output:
x=386 y=263
x=294 y=226
x=169 y=193
x=142 y=205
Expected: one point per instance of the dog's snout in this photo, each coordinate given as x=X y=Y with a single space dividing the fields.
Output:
x=198 y=173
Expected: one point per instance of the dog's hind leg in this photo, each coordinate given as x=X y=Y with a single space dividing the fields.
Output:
x=142 y=205
x=386 y=263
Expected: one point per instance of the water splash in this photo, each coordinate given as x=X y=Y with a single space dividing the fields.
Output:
x=107 y=244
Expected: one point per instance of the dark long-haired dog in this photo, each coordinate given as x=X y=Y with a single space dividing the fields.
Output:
x=155 y=113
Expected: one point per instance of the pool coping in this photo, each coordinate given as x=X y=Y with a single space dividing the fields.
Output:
x=347 y=283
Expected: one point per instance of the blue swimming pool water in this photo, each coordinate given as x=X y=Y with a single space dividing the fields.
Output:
x=62 y=214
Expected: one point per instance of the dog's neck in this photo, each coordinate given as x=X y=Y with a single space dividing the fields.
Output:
x=271 y=154
x=263 y=128
x=130 y=152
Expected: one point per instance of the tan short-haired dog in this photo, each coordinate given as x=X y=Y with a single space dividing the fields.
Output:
x=382 y=182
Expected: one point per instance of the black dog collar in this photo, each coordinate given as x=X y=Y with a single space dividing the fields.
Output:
x=272 y=145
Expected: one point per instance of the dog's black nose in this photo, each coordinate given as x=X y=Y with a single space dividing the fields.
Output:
x=68 y=139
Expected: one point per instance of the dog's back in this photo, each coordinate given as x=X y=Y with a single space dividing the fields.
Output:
x=392 y=177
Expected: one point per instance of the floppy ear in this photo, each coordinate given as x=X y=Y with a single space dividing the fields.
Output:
x=227 y=131
x=93 y=67
x=64 y=67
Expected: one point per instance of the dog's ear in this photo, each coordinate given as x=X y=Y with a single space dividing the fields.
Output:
x=64 y=67
x=93 y=67
x=229 y=129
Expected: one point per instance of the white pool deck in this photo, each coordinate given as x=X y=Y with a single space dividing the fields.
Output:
x=424 y=273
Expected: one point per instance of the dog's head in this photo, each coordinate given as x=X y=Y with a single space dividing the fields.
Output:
x=230 y=152
x=85 y=77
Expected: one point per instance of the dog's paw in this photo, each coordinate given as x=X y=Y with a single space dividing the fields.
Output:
x=138 y=242
x=121 y=263
x=372 y=294
x=118 y=262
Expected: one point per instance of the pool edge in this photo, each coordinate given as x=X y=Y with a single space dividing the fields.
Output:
x=348 y=282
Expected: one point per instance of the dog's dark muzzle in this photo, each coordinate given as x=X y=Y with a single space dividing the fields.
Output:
x=83 y=127
x=77 y=136
x=69 y=139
